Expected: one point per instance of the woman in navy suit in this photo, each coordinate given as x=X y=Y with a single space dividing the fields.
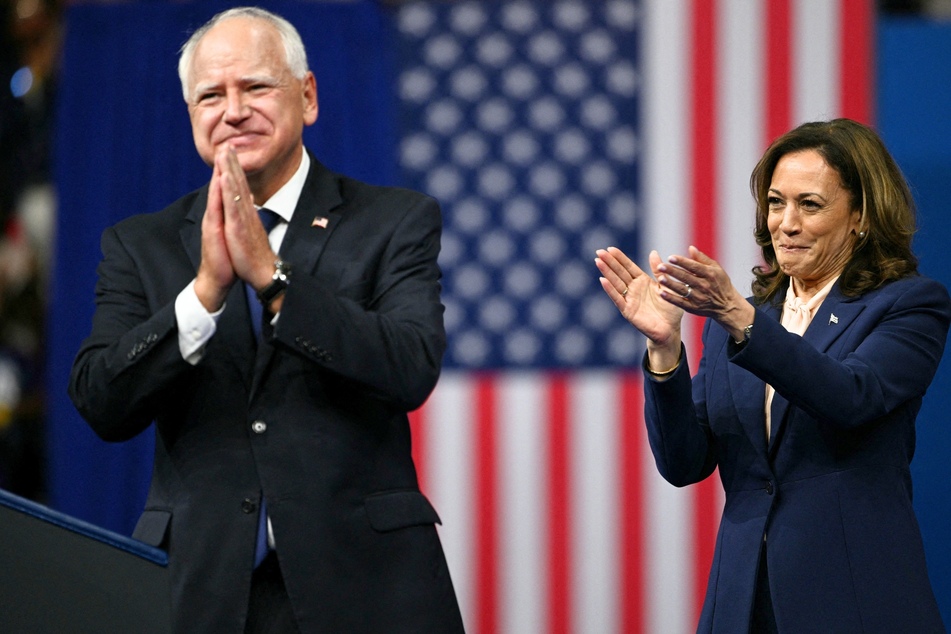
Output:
x=806 y=394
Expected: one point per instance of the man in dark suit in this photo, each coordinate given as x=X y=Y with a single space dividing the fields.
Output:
x=283 y=486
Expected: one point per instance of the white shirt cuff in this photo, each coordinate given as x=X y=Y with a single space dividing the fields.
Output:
x=195 y=324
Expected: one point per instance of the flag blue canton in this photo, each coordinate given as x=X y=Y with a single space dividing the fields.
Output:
x=520 y=118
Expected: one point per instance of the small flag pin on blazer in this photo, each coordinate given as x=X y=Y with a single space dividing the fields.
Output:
x=833 y=319
x=320 y=221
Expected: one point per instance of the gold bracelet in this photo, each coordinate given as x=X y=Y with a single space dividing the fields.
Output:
x=665 y=372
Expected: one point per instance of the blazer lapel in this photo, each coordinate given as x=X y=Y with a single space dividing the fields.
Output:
x=234 y=324
x=750 y=390
x=831 y=320
x=191 y=228
x=315 y=218
x=317 y=215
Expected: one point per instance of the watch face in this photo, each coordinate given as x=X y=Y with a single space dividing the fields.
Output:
x=282 y=271
x=278 y=283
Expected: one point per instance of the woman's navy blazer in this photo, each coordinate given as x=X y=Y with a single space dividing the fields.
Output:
x=830 y=494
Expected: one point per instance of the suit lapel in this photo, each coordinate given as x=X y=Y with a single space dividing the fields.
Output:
x=316 y=216
x=833 y=317
x=750 y=390
x=234 y=324
x=831 y=320
x=191 y=228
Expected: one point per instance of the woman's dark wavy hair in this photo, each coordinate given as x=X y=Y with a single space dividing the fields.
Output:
x=876 y=188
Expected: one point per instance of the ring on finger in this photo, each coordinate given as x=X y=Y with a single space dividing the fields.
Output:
x=689 y=290
x=237 y=198
x=624 y=292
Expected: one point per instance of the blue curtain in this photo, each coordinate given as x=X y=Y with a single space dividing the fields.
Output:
x=124 y=146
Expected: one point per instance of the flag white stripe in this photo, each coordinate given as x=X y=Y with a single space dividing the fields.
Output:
x=666 y=168
x=669 y=553
x=816 y=54
x=449 y=465
x=594 y=498
x=521 y=424
x=740 y=135
x=666 y=194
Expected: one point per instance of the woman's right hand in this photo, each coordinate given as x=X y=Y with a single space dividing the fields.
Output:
x=638 y=296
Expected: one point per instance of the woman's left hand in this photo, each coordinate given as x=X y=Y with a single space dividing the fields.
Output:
x=699 y=285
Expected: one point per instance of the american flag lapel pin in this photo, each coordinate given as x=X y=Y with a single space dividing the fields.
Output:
x=833 y=319
x=320 y=221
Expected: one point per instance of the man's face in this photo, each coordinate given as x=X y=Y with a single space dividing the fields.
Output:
x=242 y=94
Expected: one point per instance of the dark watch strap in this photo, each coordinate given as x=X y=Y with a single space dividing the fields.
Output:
x=279 y=283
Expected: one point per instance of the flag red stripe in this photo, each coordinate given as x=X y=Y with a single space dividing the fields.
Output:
x=632 y=504
x=486 y=506
x=417 y=427
x=704 y=130
x=855 y=68
x=559 y=511
x=778 y=72
x=704 y=125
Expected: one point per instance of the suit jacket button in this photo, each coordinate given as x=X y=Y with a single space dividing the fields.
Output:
x=248 y=506
x=259 y=427
x=769 y=488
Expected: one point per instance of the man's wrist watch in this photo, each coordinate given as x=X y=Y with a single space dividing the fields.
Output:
x=279 y=282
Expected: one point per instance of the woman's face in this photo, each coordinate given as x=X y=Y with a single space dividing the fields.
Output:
x=813 y=229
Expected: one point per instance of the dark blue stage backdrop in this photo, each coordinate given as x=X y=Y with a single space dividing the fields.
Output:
x=914 y=99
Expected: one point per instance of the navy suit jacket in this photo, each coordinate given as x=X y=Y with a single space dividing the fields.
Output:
x=831 y=492
x=359 y=342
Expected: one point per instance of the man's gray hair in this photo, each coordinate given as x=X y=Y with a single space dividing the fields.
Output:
x=294 y=52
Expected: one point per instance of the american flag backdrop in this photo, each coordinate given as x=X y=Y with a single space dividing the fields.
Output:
x=548 y=129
